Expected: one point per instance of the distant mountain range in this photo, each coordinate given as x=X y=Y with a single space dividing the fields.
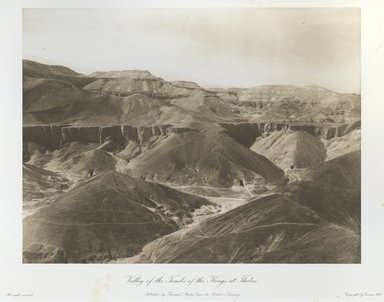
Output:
x=59 y=95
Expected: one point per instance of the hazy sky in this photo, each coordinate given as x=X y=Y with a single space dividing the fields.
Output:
x=213 y=47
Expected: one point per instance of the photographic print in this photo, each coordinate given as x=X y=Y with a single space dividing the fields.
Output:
x=191 y=135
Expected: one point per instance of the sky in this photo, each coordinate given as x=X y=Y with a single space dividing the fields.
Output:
x=214 y=47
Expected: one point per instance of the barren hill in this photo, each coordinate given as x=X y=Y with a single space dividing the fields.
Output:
x=286 y=148
x=47 y=94
x=107 y=215
x=191 y=157
x=39 y=70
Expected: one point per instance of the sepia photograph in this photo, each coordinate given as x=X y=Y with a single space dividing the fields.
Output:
x=191 y=150
x=191 y=135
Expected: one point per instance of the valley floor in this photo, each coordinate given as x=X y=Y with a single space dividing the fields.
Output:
x=225 y=204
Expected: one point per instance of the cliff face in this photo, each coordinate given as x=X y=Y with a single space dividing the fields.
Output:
x=54 y=137
x=246 y=133
x=48 y=137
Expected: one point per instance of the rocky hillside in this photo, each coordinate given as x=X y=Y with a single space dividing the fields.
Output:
x=289 y=226
x=107 y=216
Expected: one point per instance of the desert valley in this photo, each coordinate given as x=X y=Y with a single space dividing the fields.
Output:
x=126 y=167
